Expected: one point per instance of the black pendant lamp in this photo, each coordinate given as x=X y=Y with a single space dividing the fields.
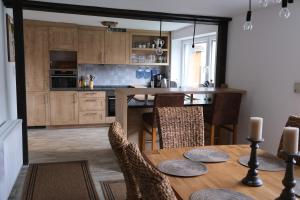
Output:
x=248 y=24
x=159 y=42
x=193 y=45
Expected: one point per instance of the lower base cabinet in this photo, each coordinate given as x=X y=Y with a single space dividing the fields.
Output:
x=90 y=117
x=38 y=108
x=64 y=108
x=59 y=108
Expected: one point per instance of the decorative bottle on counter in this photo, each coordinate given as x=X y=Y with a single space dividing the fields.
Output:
x=91 y=85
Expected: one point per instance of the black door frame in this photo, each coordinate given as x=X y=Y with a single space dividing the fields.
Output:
x=19 y=5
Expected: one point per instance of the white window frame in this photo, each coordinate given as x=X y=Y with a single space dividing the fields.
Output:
x=204 y=39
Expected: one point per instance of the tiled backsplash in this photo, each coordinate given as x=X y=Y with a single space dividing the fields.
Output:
x=115 y=74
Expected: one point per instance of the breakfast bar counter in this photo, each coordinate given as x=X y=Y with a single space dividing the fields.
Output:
x=122 y=95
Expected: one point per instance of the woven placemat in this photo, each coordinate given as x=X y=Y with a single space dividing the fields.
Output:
x=267 y=162
x=206 y=155
x=218 y=194
x=182 y=168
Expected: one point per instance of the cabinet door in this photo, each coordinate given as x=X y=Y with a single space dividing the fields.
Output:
x=63 y=38
x=116 y=48
x=36 y=58
x=64 y=108
x=38 y=108
x=90 y=46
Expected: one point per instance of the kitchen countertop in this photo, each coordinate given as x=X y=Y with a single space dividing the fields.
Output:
x=96 y=88
x=123 y=93
x=202 y=90
x=133 y=103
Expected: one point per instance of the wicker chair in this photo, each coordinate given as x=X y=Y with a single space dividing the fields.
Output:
x=180 y=126
x=293 y=121
x=153 y=184
x=150 y=119
x=118 y=144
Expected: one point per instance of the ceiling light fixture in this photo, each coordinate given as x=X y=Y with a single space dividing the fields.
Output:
x=159 y=42
x=193 y=45
x=109 y=25
x=263 y=3
x=248 y=26
x=284 y=11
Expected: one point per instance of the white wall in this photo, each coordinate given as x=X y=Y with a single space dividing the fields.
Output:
x=266 y=63
x=3 y=87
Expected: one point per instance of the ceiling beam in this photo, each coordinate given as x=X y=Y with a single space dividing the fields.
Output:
x=117 y=13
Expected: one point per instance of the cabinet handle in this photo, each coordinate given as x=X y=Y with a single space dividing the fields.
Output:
x=91 y=93
x=90 y=114
x=91 y=100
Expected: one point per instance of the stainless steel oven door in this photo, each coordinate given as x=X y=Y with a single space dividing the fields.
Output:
x=111 y=106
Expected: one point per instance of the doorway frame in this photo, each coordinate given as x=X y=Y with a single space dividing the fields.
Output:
x=19 y=5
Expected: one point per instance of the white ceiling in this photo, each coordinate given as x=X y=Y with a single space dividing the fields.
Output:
x=224 y=8
x=95 y=21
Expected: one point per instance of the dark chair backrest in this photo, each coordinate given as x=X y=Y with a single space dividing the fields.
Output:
x=167 y=100
x=226 y=108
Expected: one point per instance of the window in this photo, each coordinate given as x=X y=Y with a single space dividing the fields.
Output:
x=198 y=64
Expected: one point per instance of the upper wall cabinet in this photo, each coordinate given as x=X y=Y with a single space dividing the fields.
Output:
x=143 y=48
x=63 y=38
x=36 y=57
x=90 y=46
x=116 y=48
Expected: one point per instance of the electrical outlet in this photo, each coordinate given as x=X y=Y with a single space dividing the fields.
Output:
x=297 y=87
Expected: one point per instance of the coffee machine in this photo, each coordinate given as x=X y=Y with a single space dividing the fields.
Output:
x=160 y=81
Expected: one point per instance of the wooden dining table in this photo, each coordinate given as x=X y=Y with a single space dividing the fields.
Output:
x=226 y=175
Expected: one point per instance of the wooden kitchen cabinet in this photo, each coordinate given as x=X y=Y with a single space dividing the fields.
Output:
x=116 y=48
x=64 y=108
x=90 y=46
x=36 y=57
x=38 y=109
x=92 y=107
x=63 y=38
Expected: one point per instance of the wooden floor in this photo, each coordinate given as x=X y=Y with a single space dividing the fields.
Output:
x=56 y=145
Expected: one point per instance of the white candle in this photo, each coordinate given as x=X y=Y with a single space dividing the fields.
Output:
x=256 y=126
x=290 y=140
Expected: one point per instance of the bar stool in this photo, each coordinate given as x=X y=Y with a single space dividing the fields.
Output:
x=149 y=119
x=223 y=114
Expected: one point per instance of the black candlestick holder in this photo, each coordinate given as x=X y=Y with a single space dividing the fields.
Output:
x=288 y=181
x=252 y=179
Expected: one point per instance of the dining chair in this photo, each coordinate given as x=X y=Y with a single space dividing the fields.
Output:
x=118 y=143
x=223 y=114
x=180 y=126
x=149 y=119
x=293 y=121
x=152 y=183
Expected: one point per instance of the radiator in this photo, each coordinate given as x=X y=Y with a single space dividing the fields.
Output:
x=11 y=155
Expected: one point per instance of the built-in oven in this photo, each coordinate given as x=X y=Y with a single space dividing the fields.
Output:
x=63 y=79
x=111 y=99
x=111 y=106
x=63 y=70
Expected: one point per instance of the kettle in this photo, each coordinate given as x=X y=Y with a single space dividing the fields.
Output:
x=164 y=83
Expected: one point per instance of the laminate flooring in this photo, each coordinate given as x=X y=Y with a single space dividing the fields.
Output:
x=58 y=145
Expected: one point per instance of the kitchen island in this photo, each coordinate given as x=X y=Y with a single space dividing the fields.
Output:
x=131 y=119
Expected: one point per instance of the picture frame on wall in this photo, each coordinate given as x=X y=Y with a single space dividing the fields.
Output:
x=10 y=38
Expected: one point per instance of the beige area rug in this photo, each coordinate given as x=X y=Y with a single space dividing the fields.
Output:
x=59 y=181
x=114 y=190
